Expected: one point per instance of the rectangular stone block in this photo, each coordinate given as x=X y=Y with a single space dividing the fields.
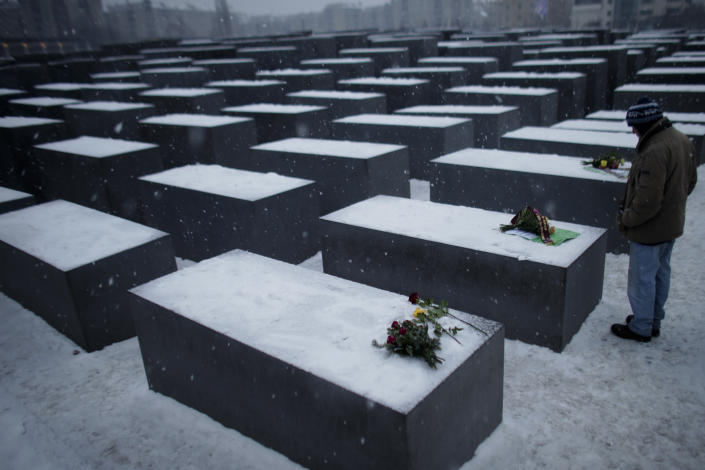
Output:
x=675 y=61
x=116 y=77
x=441 y=78
x=620 y=115
x=210 y=209
x=17 y=136
x=671 y=97
x=185 y=100
x=228 y=68
x=681 y=75
x=583 y=144
x=40 y=106
x=212 y=51
x=341 y=103
x=74 y=69
x=279 y=121
x=11 y=200
x=177 y=77
x=560 y=187
x=271 y=57
x=7 y=94
x=695 y=132
x=537 y=106
x=118 y=63
x=96 y=172
x=72 y=266
x=314 y=372
x=616 y=56
x=24 y=75
x=68 y=90
x=570 y=85
x=427 y=137
x=343 y=67
x=400 y=92
x=541 y=293
x=345 y=171
x=311 y=46
x=595 y=71
x=107 y=118
x=418 y=46
x=114 y=91
x=635 y=62
x=489 y=122
x=506 y=52
x=475 y=67
x=383 y=57
x=164 y=62
x=186 y=139
x=239 y=92
x=301 y=79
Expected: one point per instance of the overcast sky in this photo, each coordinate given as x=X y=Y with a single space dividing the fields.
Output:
x=257 y=7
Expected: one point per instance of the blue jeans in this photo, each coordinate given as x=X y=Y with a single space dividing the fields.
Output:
x=648 y=283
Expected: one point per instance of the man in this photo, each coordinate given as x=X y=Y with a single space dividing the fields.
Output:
x=652 y=215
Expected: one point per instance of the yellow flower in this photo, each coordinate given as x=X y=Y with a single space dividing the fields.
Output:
x=603 y=163
x=418 y=312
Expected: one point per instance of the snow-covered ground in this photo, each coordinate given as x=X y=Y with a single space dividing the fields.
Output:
x=602 y=403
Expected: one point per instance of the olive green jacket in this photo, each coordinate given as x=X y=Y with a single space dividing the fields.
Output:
x=662 y=176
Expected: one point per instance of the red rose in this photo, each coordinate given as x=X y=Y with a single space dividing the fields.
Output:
x=414 y=297
x=391 y=339
x=395 y=325
x=402 y=331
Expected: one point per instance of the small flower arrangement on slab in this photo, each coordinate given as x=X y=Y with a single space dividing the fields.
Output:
x=411 y=337
x=532 y=225
x=610 y=162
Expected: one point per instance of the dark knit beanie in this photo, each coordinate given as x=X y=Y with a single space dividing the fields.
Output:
x=645 y=110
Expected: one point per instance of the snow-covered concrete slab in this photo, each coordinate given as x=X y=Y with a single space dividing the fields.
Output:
x=427 y=137
x=341 y=103
x=210 y=209
x=220 y=337
x=345 y=171
x=301 y=79
x=343 y=67
x=560 y=187
x=11 y=199
x=72 y=266
x=227 y=69
x=383 y=57
x=276 y=121
x=541 y=293
x=672 y=97
x=107 y=118
x=239 y=92
x=199 y=100
x=475 y=67
x=40 y=106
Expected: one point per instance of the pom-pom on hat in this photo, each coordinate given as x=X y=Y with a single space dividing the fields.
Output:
x=645 y=110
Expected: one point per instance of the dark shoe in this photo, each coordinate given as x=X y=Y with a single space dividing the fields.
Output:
x=624 y=332
x=655 y=332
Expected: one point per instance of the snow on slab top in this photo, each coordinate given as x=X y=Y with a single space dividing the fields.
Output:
x=337 y=60
x=45 y=101
x=195 y=120
x=580 y=61
x=454 y=60
x=680 y=60
x=96 y=147
x=329 y=147
x=10 y=91
x=267 y=49
x=336 y=95
x=292 y=72
x=611 y=125
x=502 y=90
x=661 y=88
x=115 y=75
x=402 y=120
x=456 y=109
x=605 y=48
x=612 y=139
x=372 y=50
x=117 y=86
x=180 y=92
x=244 y=83
x=12 y=122
x=174 y=70
x=473 y=44
x=165 y=61
x=68 y=236
x=672 y=71
x=273 y=108
x=109 y=106
x=224 y=61
x=461 y=226
x=392 y=81
x=422 y=69
x=61 y=86
x=229 y=182
x=7 y=194
x=325 y=328
x=529 y=75
x=527 y=162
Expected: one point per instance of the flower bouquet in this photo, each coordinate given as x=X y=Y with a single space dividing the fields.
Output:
x=411 y=337
x=530 y=220
x=609 y=162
